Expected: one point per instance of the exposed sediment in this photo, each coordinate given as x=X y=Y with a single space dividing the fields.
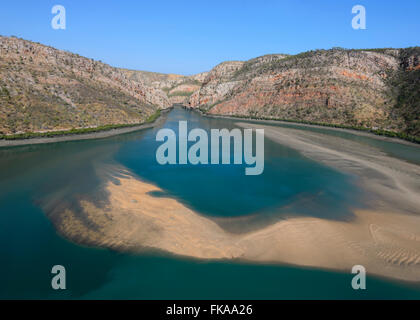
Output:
x=385 y=237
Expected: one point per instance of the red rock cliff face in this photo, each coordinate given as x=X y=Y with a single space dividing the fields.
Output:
x=217 y=84
x=351 y=87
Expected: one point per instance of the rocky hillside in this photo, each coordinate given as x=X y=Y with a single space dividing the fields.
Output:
x=367 y=88
x=177 y=87
x=43 y=89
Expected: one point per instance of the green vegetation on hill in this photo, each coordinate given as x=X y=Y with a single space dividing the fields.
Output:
x=408 y=100
x=406 y=83
x=74 y=131
x=180 y=94
x=153 y=117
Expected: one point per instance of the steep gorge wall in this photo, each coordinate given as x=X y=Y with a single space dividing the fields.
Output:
x=369 y=88
x=43 y=89
x=178 y=88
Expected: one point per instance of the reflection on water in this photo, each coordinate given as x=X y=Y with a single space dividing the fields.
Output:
x=289 y=182
x=56 y=175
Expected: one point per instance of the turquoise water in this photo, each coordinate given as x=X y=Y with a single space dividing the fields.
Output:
x=37 y=179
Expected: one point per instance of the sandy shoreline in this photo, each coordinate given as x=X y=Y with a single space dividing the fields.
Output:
x=392 y=181
x=290 y=123
x=384 y=237
x=82 y=136
x=386 y=243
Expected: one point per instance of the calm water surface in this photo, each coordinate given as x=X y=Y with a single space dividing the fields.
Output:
x=43 y=176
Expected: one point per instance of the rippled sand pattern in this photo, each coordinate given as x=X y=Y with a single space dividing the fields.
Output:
x=387 y=244
x=126 y=215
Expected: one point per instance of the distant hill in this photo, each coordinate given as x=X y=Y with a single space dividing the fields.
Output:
x=42 y=89
x=177 y=87
x=377 y=88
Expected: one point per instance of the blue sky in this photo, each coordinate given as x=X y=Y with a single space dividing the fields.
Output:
x=188 y=37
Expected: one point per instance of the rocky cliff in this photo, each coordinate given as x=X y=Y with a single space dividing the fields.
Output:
x=178 y=88
x=369 y=88
x=42 y=89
